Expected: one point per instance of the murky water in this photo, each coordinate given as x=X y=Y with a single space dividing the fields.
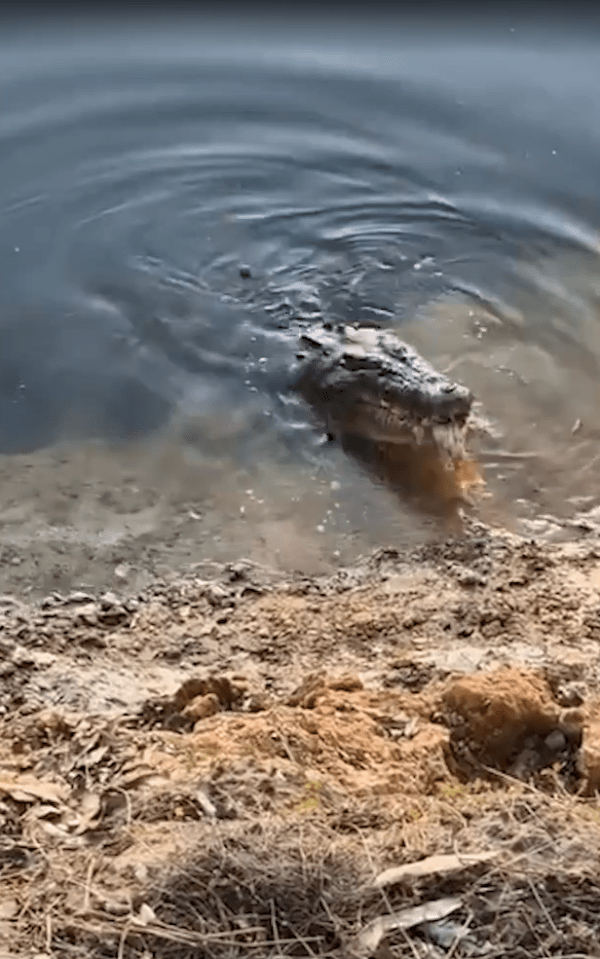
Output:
x=446 y=187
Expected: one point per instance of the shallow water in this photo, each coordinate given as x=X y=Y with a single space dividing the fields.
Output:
x=445 y=186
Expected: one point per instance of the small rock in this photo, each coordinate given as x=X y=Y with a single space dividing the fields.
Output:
x=7 y=600
x=571 y=694
x=470 y=577
x=237 y=571
x=87 y=615
x=121 y=572
x=141 y=872
x=117 y=907
x=245 y=272
x=216 y=595
x=109 y=601
x=347 y=683
x=201 y=707
x=41 y=658
x=22 y=657
x=78 y=596
x=555 y=741
x=257 y=702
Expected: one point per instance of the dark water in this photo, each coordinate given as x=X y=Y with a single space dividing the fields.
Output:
x=447 y=186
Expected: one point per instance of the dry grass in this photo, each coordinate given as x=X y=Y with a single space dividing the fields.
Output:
x=270 y=887
x=246 y=819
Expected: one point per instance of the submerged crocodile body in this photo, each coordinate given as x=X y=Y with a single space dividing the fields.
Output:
x=366 y=382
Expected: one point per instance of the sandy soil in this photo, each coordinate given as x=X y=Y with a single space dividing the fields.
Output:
x=227 y=763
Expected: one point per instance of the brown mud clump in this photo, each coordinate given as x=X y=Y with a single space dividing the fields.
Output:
x=401 y=759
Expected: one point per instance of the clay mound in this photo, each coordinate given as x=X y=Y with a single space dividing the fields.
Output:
x=509 y=720
x=260 y=824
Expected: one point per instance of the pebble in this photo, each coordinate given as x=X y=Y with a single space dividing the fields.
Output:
x=470 y=577
x=555 y=741
x=109 y=600
x=21 y=656
x=78 y=596
x=571 y=694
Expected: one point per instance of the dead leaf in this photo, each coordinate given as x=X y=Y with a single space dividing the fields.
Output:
x=41 y=812
x=87 y=815
x=135 y=776
x=206 y=803
x=146 y=914
x=367 y=940
x=8 y=908
x=28 y=789
x=433 y=864
x=95 y=756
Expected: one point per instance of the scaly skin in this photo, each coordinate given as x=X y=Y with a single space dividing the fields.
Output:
x=367 y=382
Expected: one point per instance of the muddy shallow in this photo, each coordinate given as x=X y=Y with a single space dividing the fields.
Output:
x=176 y=203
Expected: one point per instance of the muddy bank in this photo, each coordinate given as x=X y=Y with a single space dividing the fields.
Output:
x=221 y=764
x=478 y=600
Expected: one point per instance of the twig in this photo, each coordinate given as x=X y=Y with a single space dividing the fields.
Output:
x=274 y=923
x=542 y=906
x=88 y=883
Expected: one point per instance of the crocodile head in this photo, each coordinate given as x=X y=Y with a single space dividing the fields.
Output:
x=367 y=382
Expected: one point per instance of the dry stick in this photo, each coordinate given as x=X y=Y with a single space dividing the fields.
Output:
x=510 y=779
x=274 y=924
x=325 y=906
x=304 y=941
x=88 y=883
x=458 y=937
x=410 y=944
x=173 y=934
x=303 y=862
x=542 y=906
x=286 y=747
x=535 y=936
x=122 y=939
x=48 y=933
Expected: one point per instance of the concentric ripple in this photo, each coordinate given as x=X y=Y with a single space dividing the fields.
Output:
x=167 y=208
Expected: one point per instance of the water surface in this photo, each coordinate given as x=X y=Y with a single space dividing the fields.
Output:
x=445 y=186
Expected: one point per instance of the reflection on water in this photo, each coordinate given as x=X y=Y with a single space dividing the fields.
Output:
x=175 y=208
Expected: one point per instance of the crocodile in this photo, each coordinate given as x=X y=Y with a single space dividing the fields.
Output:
x=366 y=382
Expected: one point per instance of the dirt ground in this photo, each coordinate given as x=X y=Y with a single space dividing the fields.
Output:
x=401 y=758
